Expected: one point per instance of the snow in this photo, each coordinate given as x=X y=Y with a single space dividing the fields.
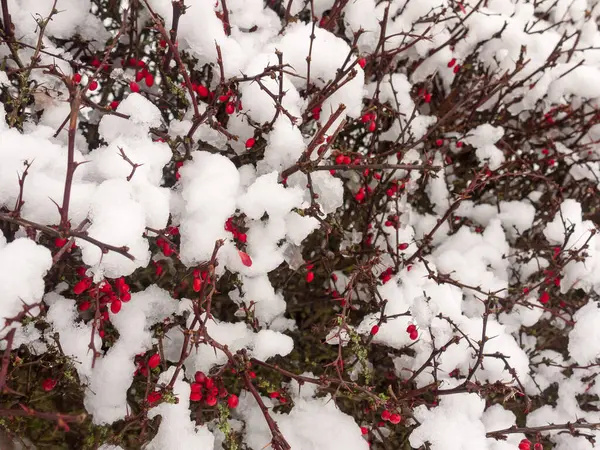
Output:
x=176 y=429
x=113 y=373
x=114 y=202
x=268 y=343
x=209 y=187
x=583 y=338
x=457 y=412
x=314 y=423
x=468 y=275
x=259 y=198
x=268 y=304
x=23 y=264
x=74 y=336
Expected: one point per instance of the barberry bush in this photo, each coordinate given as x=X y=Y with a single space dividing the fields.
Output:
x=299 y=224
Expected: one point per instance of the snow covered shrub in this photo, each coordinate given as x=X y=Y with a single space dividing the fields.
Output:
x=300 y=224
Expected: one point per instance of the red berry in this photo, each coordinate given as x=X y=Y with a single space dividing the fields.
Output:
x=197 y=285
x=386 y=415
x=525 y=444
x=93 y=85
x=544 y=298
x=134 y=87
x=84 y=306
x=402 y=246
x=246 y=260
x=139 y=76
x=162 y=43
x=211 y=400
x=250 y=142
x=274 y=394
x=77 y=78
x=60 y=242
x=395 y=418
x=364 y=430
x=411 y=328
x=362 y=62
x=414 y=335
x=114 y=105
x=196 y=387
x=153 y=397
x=200 y=377
x=439 y=142
x=456 y=68
x=115 y=306
x=149 y=79
x=372 y=126
x=96 y=63
x=202 y=91
x=459 y=144
x=310 y=276
x=316 y=112
x=374 y=330
x=242 y=237
x=48 y=384
x=427 y=97
x=538 y=446
x=82 y=286
x=452 y=62
x=233 y=401
x=230 y=108
x=195 y=396
x=154 y=361
x=122 y=285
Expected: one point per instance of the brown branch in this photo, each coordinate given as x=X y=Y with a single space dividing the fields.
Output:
x=278 y=441
x=71 y=164
x=178 y=10
x=377 y=167
x=173 y=48
x=133 y=165
x=570 y=426
x=9 y=28
x=58 y=417
x=67 y=233
x=317 y=139
x=226 y=25
x=6 y=358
